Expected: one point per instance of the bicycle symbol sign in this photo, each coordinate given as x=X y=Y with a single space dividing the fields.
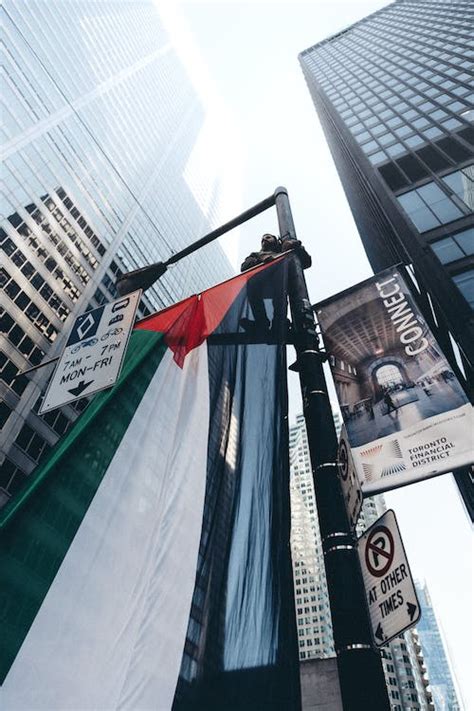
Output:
x=93 y=355
x=379 y=551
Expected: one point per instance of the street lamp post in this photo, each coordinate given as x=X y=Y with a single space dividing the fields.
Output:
x=360 y=669
x=361 y=675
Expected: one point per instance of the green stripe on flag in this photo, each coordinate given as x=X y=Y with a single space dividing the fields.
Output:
x=39 y=526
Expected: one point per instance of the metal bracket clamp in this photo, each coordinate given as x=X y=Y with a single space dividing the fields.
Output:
x=335 y=534
x=358 y=646
x=345 y=547
x=327 y=464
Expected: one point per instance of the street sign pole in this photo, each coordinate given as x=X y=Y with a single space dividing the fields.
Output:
x=361 y=674
x=360 y=668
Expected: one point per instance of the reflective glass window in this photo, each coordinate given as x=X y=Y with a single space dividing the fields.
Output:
x=395 y=121
x=403 y=131
x=377 y=158
x=460 y=90
x=414 y=141
x=372 y=121
x=432 y=132
x=421 y=122
x=465 y=284
x=396 y=149
x=418 y=212
x=451 y=248
x=465 y=240
x=387 y=139
x=446 y=210
x=358 y=127
x=456 y=106
x=461 y=183
x=451 y=124
x=370 y=147
x=438 y=114
x=444 y=99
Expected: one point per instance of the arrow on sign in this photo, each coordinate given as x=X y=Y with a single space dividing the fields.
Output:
x=79 y=388
x=411 y=608
x=379 y=632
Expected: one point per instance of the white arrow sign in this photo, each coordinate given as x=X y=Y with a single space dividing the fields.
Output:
x=390 y=590
x=93 y=354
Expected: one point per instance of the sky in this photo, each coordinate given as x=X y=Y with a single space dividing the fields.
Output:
x=248 y=55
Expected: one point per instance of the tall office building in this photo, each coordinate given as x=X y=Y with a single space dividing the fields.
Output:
x=402 y=659
x=394 y=93
x=436 y=658
x=107 y=166
x=313 y=614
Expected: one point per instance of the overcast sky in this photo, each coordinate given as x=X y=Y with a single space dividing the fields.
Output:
x=250 y=50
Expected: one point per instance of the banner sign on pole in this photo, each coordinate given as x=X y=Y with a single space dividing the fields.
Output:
x=350 y=484
x=389 y=587
x=407 y=417
x=92 y=357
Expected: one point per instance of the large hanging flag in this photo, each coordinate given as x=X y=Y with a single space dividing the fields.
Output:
x=147 y=564
x=406 y=416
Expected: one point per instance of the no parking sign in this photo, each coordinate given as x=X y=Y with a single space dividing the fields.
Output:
x=390 y=590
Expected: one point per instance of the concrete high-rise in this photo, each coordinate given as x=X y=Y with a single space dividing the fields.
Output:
x=394 y=94
x=402 y=659
x=111 y=160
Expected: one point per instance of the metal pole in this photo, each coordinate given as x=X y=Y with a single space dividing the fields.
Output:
x=361 y=674
x=146 y=276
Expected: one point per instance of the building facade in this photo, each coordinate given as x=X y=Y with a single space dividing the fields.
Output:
x=436 y=658
x=394 y=94
x=313 y=614
x=104 y=171
x=402 y=659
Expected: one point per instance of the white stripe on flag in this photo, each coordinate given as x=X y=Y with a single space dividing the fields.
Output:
x=111 y=631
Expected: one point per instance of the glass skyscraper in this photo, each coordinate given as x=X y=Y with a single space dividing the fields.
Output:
x=105 y=169
x=395 y=96
x=441 y=680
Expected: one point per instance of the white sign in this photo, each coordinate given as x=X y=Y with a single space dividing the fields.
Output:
x=92 y=357
x=349 y=480
x=391 y=595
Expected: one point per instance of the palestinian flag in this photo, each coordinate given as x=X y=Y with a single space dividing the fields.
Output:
x=147 y=565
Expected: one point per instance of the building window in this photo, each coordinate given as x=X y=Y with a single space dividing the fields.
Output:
x=5 y=412
x=465 y=284
x=428 y=206
x=31 y=443
x=11 y=477
x=461 y=182
x=455 y=247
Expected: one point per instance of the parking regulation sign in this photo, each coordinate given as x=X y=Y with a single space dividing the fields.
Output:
x=93 y=355
x=349 y=481
x=390 y=590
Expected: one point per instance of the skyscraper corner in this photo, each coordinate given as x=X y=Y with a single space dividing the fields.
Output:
x=394 y=94
x=105 y=169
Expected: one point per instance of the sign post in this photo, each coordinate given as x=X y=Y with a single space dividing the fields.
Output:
x=390 y=590
x=350 y=485
x=93 y=355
